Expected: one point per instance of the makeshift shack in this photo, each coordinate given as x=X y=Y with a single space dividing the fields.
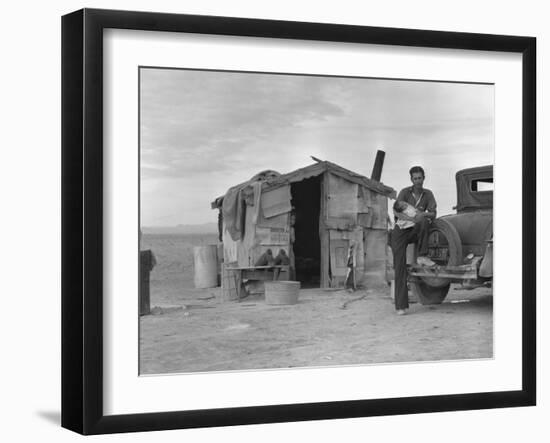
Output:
x=314 y=214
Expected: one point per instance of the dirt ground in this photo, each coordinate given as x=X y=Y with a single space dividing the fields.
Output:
x=194 y=331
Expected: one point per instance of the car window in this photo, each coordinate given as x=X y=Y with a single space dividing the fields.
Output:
x=481 y=185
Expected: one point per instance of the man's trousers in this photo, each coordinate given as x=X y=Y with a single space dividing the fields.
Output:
x=400 y=238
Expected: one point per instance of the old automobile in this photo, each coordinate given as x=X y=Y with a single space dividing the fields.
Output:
x=461 y=244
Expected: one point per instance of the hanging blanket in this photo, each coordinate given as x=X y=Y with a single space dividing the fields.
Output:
x=233 y=209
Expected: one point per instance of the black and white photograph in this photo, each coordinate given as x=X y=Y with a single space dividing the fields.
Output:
x=308 y=221
x=275 y=221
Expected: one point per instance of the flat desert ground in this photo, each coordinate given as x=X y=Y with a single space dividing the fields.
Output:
x=194 y=330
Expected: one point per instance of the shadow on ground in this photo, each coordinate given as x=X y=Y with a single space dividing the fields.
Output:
x=54 y=417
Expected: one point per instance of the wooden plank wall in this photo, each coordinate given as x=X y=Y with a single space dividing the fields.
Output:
x=324 y=233
x=375 y=246
x=373 y=209
x=268 y=233
x=340 y=241
x=367 y=228
x=342 y=199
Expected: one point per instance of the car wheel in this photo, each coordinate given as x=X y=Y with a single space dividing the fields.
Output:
x=428 y=295
x=446 y=250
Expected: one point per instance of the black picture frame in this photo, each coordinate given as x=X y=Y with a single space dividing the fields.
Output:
x=82 y=219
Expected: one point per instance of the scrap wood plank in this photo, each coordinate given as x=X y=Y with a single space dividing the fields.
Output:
x=347 y=302
x=338 y=257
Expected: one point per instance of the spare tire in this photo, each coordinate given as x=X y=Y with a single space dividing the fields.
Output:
x=446 y=250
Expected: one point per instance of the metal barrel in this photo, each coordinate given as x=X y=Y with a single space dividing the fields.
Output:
x=206 y=266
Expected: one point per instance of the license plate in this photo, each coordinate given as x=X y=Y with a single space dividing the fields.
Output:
x=439 y=253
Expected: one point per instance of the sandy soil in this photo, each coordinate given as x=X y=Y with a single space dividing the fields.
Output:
x=193 y=330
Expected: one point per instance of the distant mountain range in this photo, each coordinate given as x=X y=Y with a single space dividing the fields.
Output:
x=204 y=228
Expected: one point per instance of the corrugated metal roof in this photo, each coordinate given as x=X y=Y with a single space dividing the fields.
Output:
x=315 y=170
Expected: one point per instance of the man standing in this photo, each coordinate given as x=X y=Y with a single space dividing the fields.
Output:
x=410 y=229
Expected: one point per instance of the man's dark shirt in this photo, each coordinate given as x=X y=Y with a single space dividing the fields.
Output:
x=426 y=203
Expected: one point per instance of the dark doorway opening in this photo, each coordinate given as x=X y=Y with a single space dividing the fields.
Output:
x=306 y=200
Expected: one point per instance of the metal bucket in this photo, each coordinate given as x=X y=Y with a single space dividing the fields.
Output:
x=206 y=266
x=281 y=292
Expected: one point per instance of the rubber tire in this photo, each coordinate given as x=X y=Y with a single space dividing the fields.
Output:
x=428 y=295
x=432 y=291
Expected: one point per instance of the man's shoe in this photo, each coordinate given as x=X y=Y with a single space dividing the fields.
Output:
x=425 y=261
x=401 y=312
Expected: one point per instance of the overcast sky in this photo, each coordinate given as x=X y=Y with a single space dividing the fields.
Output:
x=203 y=132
